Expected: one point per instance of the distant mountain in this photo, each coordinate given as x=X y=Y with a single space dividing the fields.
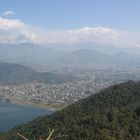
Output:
x=28 y=53
x=127 y=58
x=35 y=54
x=96 y=58
x=85 y=57
x=111 y=114
x=108 y=49
x=11 y=74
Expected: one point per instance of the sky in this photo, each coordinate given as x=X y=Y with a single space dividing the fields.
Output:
x=113 y=22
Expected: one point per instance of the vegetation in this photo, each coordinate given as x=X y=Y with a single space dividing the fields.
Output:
x=13 y=74
x=111 y=114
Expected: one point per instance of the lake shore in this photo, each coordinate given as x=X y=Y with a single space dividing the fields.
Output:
x=42 y=105
x=13 y=114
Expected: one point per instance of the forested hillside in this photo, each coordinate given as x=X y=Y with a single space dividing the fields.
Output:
x=13 y=74
x=111 y=114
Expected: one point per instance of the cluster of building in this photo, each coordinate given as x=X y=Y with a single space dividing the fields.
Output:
x=86 y=83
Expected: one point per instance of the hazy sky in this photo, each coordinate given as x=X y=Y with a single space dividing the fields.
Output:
x=71 y=21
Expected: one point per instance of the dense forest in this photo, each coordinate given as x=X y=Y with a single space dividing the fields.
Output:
x=111 y=114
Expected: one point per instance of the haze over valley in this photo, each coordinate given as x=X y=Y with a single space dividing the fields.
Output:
x=55 y=79
x=79 y=60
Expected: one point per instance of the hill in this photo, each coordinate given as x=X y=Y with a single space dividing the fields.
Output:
x=13 y=74
x=85 y=57
x=92 y=57
x=28 y=53
x=111 y=114
x=87 y=54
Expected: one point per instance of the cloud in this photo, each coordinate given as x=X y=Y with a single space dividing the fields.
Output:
x=8 y=13
x=101 y=35
x=15 y=31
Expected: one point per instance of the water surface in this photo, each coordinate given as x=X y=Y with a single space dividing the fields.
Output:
x=12 y=115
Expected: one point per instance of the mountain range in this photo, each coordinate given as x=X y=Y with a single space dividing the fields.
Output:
x=35 y=54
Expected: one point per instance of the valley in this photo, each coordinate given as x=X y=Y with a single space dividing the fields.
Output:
x=56 y=95
x=111 y=114
x=69 y=70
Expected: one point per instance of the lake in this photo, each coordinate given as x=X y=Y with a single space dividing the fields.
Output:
x=12 y=115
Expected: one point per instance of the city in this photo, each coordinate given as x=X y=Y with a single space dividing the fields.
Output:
x=59 y=95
